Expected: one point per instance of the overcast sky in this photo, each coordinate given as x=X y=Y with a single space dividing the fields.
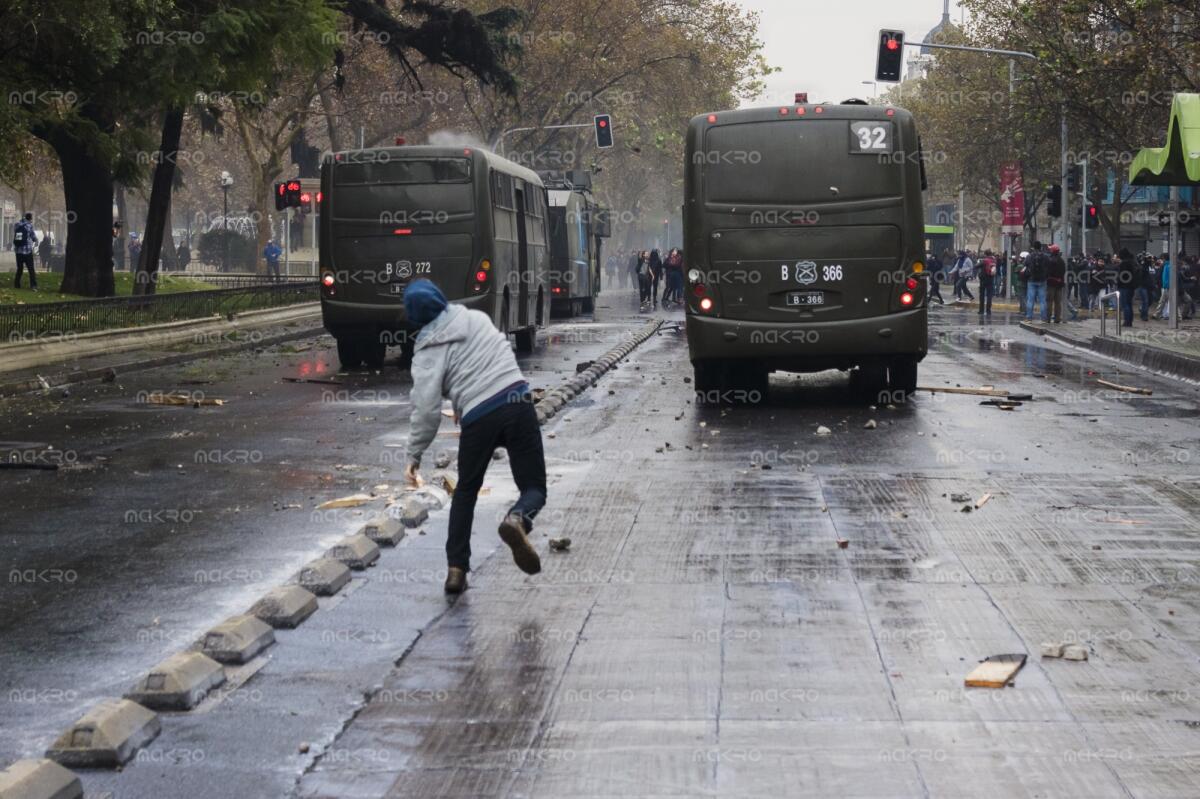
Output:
x=827 y=47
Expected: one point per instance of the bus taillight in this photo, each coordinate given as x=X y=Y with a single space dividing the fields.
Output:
x=481 y=276
x=706 y=304
x=906 y=298
x=327 y=282
x=911 y=284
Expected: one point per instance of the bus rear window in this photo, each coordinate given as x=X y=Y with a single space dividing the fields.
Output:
x=403 y=170
x=793 y=162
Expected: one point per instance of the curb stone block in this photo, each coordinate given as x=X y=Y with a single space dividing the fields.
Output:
x=285 y=606
x=412 y=513
x=356 y=551
x=178 y=683
x=237 y=639
x=39 y=779
x=324 y=576
x=107 y=736
x=383 y=531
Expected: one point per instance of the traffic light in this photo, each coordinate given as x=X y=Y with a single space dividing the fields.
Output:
x=293 y=194
x=305 y=203
x=1054 y=200
x=604 y=137
x=1092 y=217
x=1072 y=180
x=891 y=56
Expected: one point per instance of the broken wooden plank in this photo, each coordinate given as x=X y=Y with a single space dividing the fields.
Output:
x=1127 y=389
x=352 y=501
x=1004 y=405
x=979 y=503
x=995 y=672
x=982 y=392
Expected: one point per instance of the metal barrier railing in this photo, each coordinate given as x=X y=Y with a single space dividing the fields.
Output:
x=1104 y=308
x=29 y=322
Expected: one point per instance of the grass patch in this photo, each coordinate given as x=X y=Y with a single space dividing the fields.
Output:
x=49 y=282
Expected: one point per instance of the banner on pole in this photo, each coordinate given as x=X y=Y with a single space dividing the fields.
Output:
x=1012 y=199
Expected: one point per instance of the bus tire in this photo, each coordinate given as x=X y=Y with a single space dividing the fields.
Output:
x=587 y=306
x=902 y=375
x=373 y=353
x=526 y=339
x=406 y=353
x=870 y=379
x=709 y=375
x=349 y=352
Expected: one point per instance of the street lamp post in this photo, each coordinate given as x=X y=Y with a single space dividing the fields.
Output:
x=226 y=182
x=874 y=88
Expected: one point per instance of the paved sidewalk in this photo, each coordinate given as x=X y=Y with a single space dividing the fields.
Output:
x=1154 y=344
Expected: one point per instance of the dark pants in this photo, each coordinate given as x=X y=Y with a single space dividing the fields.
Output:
x=960 y=288
x=643 y=288
x=273 y=270
x=25 y=260
x=513 y=426
x=985 y=296
x=655 y=280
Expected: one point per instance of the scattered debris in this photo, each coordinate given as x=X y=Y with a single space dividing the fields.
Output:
x=1075 y=652
x=442 y=460
x=1127 y=389
x=822 y=430
x=996 y=671
x=843 y=543
x=109 y=376
x=313 y=380
x=1003 y=405
x=959 y=496
x=159 y=398
x=448 y=413
x=352 y=501
x=499 y=454
x=560 y=544
x=303 y=749
x=979 y=503
x=870 y=425
x=1051 y=650
x=583 y=366
x=983 y=391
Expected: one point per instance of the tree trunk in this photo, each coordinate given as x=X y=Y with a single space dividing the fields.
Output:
x=88 y=190
x=335 y=141
x=158 y=211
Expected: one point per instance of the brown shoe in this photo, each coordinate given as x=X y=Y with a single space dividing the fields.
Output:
x=512 y=532
x=456 y=580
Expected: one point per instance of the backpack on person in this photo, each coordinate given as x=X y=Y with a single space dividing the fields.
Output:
x=1036 y=267
x=18 y=235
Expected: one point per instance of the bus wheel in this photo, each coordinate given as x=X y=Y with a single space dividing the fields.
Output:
x=749 y=381
x=373 y=353
x=587 y=306
x=526 y=339
x=902 y=375
x=406 y=353
x=871 y=381
x=349 y=352
x=709 y=375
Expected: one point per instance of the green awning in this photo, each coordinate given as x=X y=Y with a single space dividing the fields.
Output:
x=944 y=230
x=1178 y=163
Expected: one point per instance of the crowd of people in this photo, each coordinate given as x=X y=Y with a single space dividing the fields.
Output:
x=649 y=272
x=1045 y=282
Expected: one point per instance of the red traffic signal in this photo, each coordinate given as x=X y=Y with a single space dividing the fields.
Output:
x=1092 y=218
x=604 y=135
x=889 y=61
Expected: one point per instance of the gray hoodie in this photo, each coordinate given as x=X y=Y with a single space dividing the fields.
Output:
x=460 y=355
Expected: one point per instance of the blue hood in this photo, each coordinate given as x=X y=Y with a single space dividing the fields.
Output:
x=423 y=301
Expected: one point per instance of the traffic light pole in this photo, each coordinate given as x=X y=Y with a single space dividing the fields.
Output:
x=1083 y=209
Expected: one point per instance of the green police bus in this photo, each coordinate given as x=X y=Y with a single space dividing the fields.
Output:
x=804 y=244
x=465 y=218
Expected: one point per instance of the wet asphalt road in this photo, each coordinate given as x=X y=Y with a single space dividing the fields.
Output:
x=705 y=635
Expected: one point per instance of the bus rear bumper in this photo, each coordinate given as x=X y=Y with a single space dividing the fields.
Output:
x=352 y=316
x=810 y=347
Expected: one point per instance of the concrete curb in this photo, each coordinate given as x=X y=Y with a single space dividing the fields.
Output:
x=74 y=376
x=1144 y=356
x=557 y=399
x=40 y=352
x=39 y=779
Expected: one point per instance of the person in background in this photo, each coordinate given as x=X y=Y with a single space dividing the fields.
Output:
x=1163 y=309
x=674 y=268
x=641 y=269
x=184 y=255
x=656 y=273
x=964 y=270
x=45 y=249
x=1022 y=280
x=460 y=354
x=1036 y=267
x=987 y=276
x=935 y=277
x=1056 y=284
x=271 y=253
x=135 y=251
x=24 y=242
